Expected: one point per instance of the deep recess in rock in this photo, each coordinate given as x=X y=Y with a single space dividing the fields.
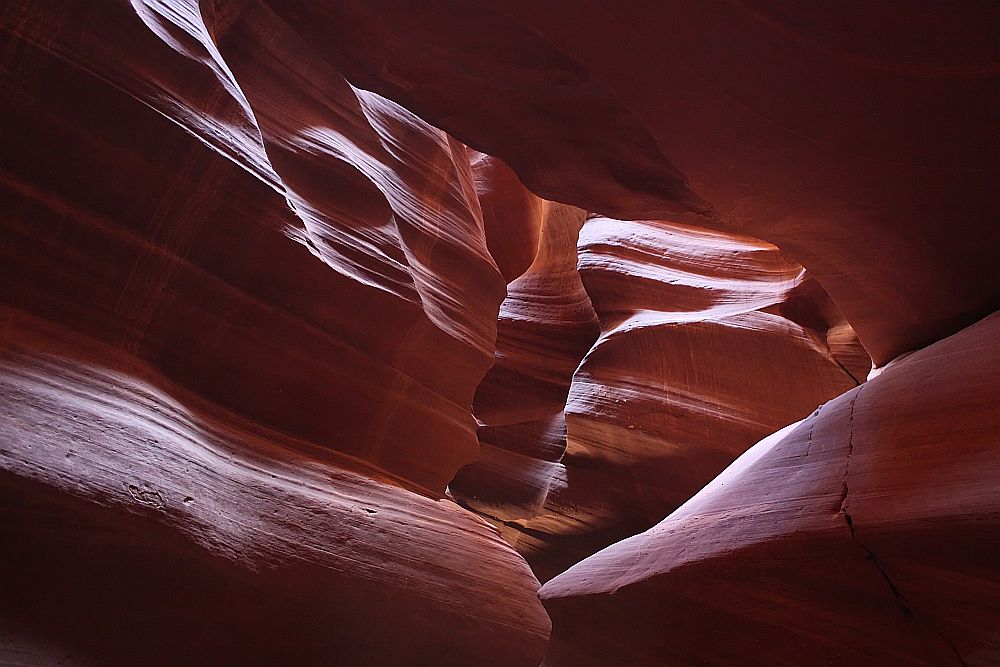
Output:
x=389 y=334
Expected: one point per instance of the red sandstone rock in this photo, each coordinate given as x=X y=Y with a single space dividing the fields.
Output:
x=861 y=140
x=866 y=534
x=246 y=303
x=546 y=326
x=340 y=240
x=229 y=276
x=141 y=524
x=513 y=217
x=690 y=369
x=708 y=343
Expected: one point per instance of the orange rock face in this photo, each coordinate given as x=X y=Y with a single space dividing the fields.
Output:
x=698 y=357
x=286 y=226
x=546 y=325
x=327 y=330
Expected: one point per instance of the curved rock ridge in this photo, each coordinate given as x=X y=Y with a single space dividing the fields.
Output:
x=867 y=534
x=513 y=217
x=861 y=140
x=708 y=342
x=698 y=358
x=559 y=128
x=546 y=325
x=408 y=185
x=244 y=308
x=274 y=331
x=142 y=524
x=222 y=177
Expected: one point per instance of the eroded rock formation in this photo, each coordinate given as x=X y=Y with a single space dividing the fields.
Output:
x=201 y=218
x=708 y=343
x=142 y=524
x=338 y=202
x=866 y=534
x=861 y=140
x=546 y=325
x=700 y=356
x=274 y=272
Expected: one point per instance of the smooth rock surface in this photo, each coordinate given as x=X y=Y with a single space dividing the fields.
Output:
x=867 y=534
x=708 y=342
x=862 y=140
x=275 y=275
x=545 y=327
x=199 y=221
x=142 y=524
x=244 y=309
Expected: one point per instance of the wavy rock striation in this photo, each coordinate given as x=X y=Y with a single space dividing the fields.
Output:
x=699 y=355
x=253 y=322
x=546 y=325
x=243 y=303
x=381 y=208
x=141 y=524
x=860 y=140
x=708 y=342
x=867 y=534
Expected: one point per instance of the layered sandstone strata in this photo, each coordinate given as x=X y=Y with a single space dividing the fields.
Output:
x=708 y=342
x=140 y=523
x=245 y=309
x=866 y=534
x=546 y=325
x=861 y=140
x=249 y=294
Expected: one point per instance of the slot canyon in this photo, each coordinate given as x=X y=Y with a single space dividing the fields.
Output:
x=459 y=333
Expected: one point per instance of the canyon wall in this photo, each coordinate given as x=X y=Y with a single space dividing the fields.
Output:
x=328 y=329
x=866 y=534
x=860 y=140
x=245 y=309
x=707 y=343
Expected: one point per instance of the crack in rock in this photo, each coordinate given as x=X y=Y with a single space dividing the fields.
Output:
x=904 y=605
